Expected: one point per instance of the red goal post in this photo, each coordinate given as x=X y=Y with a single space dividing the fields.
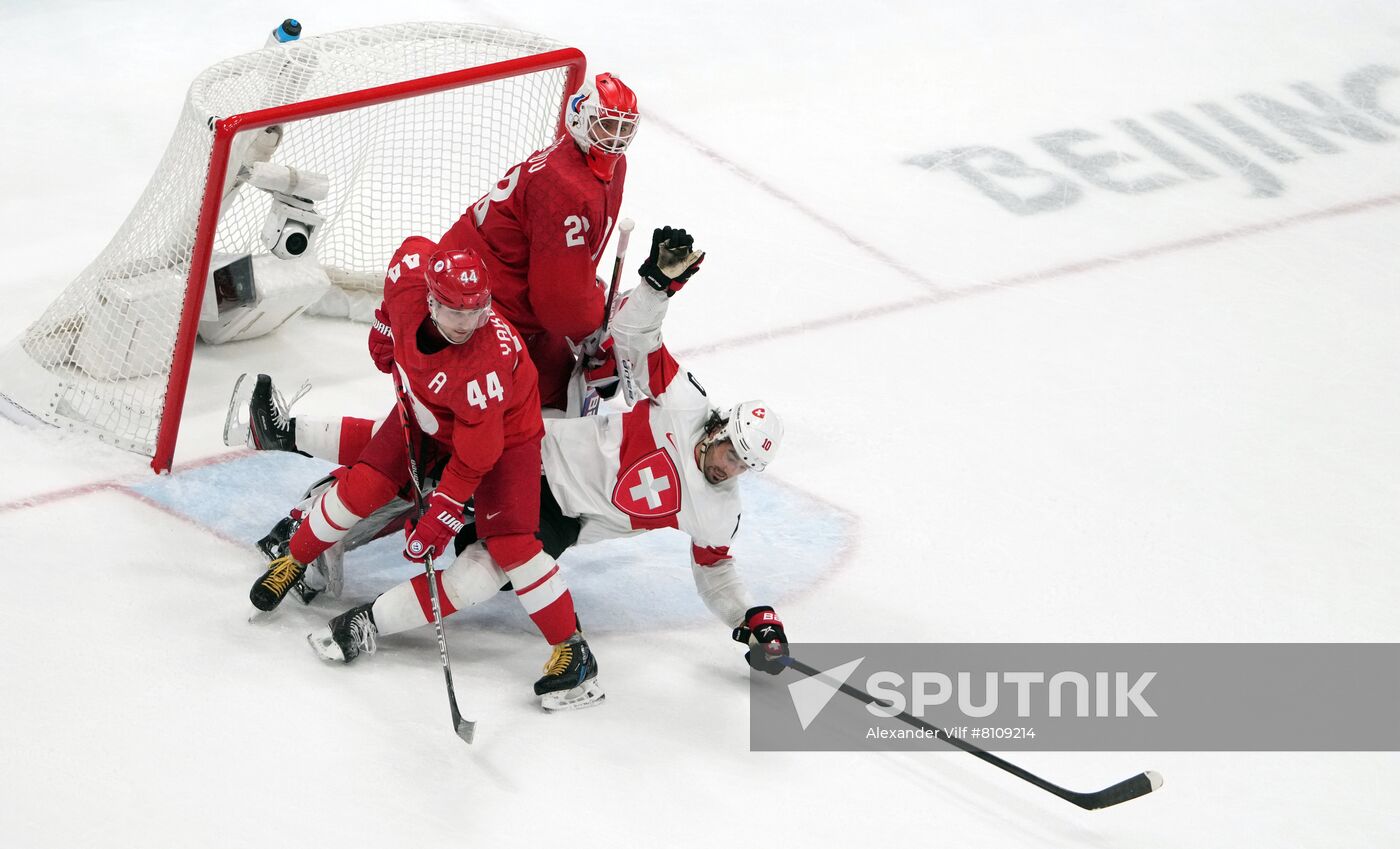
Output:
x=224 y=132
x=402 y=157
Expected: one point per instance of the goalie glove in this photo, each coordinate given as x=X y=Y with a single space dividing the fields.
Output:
x=381 y=342
x=763 y=632
x=442 y=520
x=672 y=260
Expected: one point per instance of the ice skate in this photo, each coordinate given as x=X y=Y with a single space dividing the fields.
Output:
x=318 y=576
x=258 y=416
x=570 y=677
x=275 y=544
x=347 y=636
x=276 y=582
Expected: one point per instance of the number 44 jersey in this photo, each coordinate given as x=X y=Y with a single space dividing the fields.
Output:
x=477 y=398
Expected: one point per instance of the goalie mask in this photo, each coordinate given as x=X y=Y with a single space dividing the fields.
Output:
x=602 y=118
x=459 y=293
x=755 y=431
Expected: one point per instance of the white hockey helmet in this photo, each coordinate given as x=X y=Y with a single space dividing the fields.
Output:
x=602 y=118
x=755 y=431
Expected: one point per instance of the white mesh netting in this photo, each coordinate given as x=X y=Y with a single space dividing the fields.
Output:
x=99 y=358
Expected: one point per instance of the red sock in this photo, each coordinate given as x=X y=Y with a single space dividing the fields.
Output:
x=538 y=584
x=556 y=621
x=425 y=598
x=354 y=436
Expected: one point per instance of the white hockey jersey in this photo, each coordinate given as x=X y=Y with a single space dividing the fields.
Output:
x=623 y=474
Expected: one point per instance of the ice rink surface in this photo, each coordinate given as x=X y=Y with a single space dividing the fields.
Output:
x=1085 y=322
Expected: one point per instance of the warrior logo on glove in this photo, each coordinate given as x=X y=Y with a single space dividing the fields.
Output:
x=442 y=521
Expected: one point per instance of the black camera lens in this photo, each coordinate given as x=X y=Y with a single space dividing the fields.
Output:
x=296 y=243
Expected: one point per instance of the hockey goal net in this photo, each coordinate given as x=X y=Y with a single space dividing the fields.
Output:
x=408 y=124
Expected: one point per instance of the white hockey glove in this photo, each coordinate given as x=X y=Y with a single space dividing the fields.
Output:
x=672 y=261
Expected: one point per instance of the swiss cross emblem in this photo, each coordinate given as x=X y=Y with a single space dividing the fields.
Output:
x=650 y=488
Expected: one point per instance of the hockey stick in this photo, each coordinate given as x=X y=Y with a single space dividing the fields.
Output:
x=583 y=398
x=624 y=235
x=1139 y=785
x=465 y=728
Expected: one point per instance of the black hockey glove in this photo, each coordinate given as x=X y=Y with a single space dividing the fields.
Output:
x=672 y=261
x=763 y=632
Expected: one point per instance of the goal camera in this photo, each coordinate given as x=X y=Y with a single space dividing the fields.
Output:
x=290 y=224
x=292 y=220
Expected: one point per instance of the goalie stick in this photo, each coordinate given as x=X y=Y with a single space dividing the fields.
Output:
x=465 y=728
x=1139 y=785
x=624 y=234
x=584 y=398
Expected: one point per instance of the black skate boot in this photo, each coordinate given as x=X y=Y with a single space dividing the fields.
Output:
x=277 y=541
x=258 y=416
x=570 y=677
x=347 y=636
x=276 y=582
x=277 y=544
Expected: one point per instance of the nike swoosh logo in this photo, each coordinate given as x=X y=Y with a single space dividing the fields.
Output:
x=493 y=515
x=672 y=437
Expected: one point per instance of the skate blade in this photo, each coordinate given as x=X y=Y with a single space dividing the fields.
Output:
x=237 y=401
x=260 y=617
x=325 y=646
x=587 y=694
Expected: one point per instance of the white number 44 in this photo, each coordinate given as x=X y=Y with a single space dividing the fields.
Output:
x=574 y=228
x=493 y=391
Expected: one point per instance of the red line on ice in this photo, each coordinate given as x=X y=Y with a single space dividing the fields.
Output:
x=116 y=484
x=151 y=502
x=939 y=292
x=57 y=495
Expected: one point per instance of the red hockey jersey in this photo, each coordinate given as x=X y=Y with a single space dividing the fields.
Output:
x=477 y=398
x=541 y=232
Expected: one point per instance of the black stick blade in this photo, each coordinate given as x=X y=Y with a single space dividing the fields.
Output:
x=465 y=728
x=1139 y=785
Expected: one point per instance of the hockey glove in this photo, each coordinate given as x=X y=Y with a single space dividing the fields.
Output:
x=442 y=520
x=763 y=632
x=600 y=370
x=672 y=261
x=381 y=342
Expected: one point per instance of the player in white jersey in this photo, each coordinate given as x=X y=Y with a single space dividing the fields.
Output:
x=671 y=461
